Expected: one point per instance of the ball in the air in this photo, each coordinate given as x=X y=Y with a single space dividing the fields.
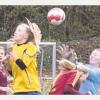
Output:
x=56 y=16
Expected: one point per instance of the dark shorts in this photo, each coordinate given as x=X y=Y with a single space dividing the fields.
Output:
x=28 y=93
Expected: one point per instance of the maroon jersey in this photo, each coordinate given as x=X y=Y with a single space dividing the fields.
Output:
x=66 y=80
x=3 y=80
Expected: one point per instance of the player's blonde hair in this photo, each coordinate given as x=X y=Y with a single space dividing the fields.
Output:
x=66 y=64
x=35 y=31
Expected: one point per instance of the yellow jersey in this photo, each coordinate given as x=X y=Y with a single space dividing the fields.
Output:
x=25 y=80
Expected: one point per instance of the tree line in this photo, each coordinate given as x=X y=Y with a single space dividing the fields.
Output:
x=81 y=23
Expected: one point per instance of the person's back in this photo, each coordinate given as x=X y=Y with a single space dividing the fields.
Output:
x=63 y=78
x=68 y=80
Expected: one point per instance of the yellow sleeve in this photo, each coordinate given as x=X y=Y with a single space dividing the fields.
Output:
x=30 y=55
x=31 y=50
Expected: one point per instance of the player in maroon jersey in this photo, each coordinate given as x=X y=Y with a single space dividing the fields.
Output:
x=69 y=79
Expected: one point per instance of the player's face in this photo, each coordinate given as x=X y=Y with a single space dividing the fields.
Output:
x=95 y=57
x=1 y=55
x=20 y=33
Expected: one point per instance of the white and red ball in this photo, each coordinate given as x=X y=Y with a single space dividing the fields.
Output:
x=56 y=16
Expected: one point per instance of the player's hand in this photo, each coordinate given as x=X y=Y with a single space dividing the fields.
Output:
x=64 y=51
x=13 y=55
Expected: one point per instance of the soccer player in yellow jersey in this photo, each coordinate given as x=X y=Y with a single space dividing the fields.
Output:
x=22 y=59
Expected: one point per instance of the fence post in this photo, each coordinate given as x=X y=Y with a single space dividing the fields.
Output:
x=54 y=61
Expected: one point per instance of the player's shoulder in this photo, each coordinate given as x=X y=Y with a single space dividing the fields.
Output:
x=31 y=49
x=31 y=46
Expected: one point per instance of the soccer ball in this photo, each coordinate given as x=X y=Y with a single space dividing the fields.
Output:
x=56 y=16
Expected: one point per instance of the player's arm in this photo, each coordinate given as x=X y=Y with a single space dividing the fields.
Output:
x=71 y=90
x=88 y=86
x=28 y=56
x=94 y=74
